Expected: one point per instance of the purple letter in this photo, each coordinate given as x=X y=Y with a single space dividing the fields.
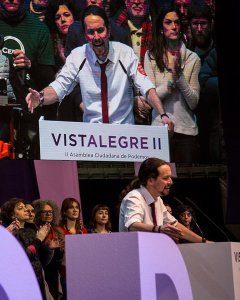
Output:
x=144 y=142
x=124 y=144
x=82 y=136
x=56 y=142
x=112 y=141
x=133 y=142
x=92 y=141
x=101 y=142
x=72 y=139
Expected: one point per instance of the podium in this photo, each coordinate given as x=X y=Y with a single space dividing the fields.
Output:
x=214 y=270
x=61 y=140
x=125 y=266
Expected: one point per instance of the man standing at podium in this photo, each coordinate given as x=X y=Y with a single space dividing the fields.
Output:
x=142 y=209
x=106 y=72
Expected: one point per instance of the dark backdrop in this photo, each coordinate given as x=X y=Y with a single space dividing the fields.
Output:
x=228 y=33
x=18 y=179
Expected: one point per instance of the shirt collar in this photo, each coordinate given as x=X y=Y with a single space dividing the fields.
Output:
x=146 y=195
x=94 y=58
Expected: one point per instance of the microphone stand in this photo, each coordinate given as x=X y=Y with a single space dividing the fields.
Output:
x=207 y=217
x=79 y=69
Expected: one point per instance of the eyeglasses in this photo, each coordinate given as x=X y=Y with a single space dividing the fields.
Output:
x=203 y=24
x=46 y=212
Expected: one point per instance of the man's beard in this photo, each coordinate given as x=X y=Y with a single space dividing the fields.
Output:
x=100 y=49
x=201 y=41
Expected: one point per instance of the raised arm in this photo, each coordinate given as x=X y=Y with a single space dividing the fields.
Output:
x=46 y=97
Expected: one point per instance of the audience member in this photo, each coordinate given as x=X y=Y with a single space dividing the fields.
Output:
x=38 y=8
x=200 y=22
x=183 y=6
x=136 y=18
x=210 y=115
x=59 y=16
x=47 y=212
x=208 y=109
x=186 y=216
x=28 y=47
x=30 y=211
x=118 y=108
x=142 y=209
x=70 y=223
x=15 y=218
x=168 y=207
x=174 y=71
x=211 y=4
x=100 y=221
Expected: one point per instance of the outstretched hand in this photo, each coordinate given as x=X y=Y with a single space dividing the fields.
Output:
x=32 y=99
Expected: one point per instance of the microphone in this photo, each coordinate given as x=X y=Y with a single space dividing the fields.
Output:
x=193 y=219
x=207 y=217
x=80 y=68
x=21 y=74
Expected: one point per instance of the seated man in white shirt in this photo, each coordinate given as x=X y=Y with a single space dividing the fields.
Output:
x=136 y=211
x=83 y=66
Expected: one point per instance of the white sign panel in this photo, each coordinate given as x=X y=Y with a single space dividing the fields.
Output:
x=102 y=142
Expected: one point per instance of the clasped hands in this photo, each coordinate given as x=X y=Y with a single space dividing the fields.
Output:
x=171 y=230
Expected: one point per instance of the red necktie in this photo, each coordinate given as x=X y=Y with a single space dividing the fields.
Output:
x=104 y=95
x=153 y=213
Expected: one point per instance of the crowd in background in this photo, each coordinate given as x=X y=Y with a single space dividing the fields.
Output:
x=183 y=66
x=40 y=227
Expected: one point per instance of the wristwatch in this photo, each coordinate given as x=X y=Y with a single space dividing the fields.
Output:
x=41 y=98
x=164 y=115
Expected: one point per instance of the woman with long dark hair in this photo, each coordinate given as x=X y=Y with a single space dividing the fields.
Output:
x=58 y=17
x=70 y=223
x=174 y=70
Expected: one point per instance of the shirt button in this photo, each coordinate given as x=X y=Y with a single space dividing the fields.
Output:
x=138 y=43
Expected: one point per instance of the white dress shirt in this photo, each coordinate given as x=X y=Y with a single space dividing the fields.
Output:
x=120 y=91
x=135 y=207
